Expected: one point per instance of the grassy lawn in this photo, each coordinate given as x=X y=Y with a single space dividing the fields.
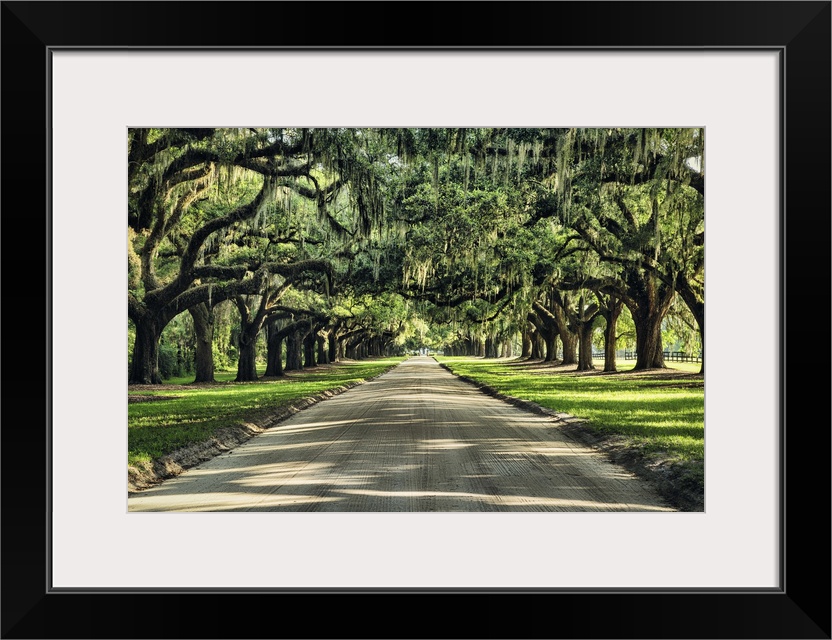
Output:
x=194 y=414
x=661 y=418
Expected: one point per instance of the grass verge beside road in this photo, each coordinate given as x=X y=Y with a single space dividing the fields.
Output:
x=164 y=419
x=652 y=422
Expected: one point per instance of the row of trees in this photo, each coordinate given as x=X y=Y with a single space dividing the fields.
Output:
x=278 y=221
x=546 y=231
x=343 y=242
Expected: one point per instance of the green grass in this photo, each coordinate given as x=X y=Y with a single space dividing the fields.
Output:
x=662 y=418
x=160 y=427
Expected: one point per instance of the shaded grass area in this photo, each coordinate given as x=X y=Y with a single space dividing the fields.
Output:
x=660 y=417
x=191 y=414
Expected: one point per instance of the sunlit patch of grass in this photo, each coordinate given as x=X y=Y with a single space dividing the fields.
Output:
x=219 y=376
x=157 y=428
x=661 y=417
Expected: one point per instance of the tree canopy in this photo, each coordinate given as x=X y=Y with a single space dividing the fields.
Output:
x=354 y=241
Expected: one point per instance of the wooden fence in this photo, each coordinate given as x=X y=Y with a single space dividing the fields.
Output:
x=669 y=356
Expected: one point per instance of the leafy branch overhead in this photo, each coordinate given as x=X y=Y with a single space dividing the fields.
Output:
x=341 y=239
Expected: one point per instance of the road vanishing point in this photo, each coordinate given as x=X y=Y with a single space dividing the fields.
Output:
x=415 y=439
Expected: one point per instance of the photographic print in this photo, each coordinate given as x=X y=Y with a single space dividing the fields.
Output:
x=416 y=319
x=435 y=265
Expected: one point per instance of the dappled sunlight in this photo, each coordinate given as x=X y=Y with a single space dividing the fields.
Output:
x=304 y=477
x=316 y=426
x=275 y=469
x=408 y=414
x=554 y=451
x=229 y=501
x=423 y=394
x=487 y=502
x=437 y=446
x=288 y=446
x=443 y=445
x=416 y=494
x=530 y=421
x=561 y=504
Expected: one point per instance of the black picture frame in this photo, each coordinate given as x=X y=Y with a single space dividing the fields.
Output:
x=800 y=31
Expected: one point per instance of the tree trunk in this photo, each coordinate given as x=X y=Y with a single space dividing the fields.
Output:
x=570 y=345
x=547 y=330
x=585 y=351
x=203 y=317
x=332 y=346
x=323 y=352
x=652 y=299
x=309 y=344
x=274 y=351
x=293 y=352
x=582 y=318
x=611 y=312
x=649 y=352
x=568 y=338
x=697 y=308
x=526 y=345
x=490 y=347
x=247 y=362
x=555 y=321
x=538 y=346
x=144 y=369
x=550 y=339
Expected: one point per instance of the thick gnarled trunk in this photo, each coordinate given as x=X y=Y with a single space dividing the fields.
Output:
x=250 y=326
x=332 y=346
x=610 y=312
x=556 y=317
x=651 y=300
x=323 y=351
x=583 y=319
x=585 y=350
x=274 y=351
x=526 y=345
x=144 y=368
x=309 y=344
x=490 y=347
x=697 y=308
x=546 y=331
x=649 y=350
x=538 y=346
x=247 y=361
x=294 y=347
x=203 y=317
x=568 y=338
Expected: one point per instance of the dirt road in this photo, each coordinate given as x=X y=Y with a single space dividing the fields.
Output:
x=414 y=439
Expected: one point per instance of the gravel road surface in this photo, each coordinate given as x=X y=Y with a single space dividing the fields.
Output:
x=414 y=439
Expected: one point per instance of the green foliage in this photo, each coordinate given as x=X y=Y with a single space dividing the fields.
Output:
x=170 y=362
x=176 y=347
x=467 y=226
x=679 y=330
x=626 y=331
x=224 y=358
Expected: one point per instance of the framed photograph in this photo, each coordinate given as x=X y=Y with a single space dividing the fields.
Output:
x=754 y=75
